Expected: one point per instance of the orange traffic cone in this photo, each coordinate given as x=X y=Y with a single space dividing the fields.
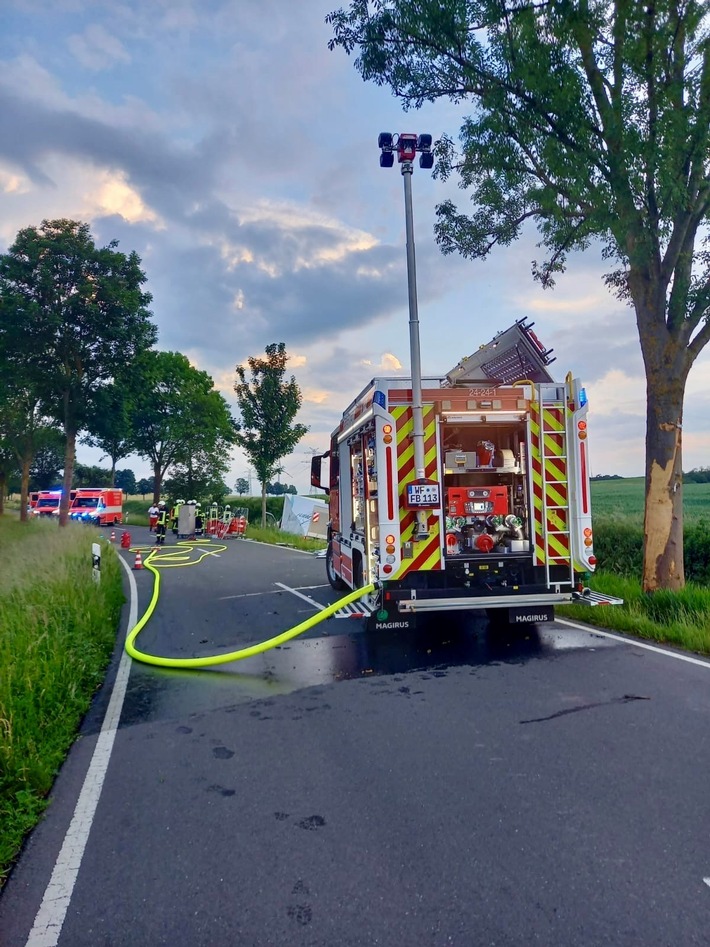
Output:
x=113 y=535
x=138 y=564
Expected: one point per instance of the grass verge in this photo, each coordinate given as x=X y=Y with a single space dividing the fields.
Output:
x=58 y=632
x=679 y=618
x=277 y=537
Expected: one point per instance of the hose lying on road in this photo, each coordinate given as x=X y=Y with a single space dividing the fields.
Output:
x=211 y=660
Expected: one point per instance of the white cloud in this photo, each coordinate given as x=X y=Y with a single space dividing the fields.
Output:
x=111 y=194
x=618 y=393
x=96 y=49
x=12 y=183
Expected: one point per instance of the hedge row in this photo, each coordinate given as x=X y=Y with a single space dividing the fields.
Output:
x=618 y=545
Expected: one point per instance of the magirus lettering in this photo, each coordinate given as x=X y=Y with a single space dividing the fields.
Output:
x=392 y=624
x=543 y=617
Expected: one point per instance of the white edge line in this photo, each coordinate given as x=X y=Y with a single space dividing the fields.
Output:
x=592 y=629
x=52 y=912
x=305 y=598
x=707 y=881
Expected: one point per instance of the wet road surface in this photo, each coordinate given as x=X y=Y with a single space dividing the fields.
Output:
x=448 y=786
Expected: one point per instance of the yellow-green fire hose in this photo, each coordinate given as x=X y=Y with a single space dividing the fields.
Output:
x=174 y=559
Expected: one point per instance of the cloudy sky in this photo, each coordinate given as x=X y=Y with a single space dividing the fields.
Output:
x=225 y=144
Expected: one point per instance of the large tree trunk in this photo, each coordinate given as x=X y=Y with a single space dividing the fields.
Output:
x=157 y=483
x=24 y=487
x=69 y=461
x=663 y=566
x=263 y=505
x=667 y=362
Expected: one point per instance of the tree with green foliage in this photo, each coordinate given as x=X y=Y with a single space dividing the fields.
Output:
x=109 y=426
x=24 y=429
x=8 y=469
x=46 y=466
x=242 y=486
x=591 y=119
x=268 y=405
x=91 y=475
x=144 y=486
x=73 y=315
x=201 y=476
x=126 y=480
x=176 y=414
x=279 y=489
x=19 y=423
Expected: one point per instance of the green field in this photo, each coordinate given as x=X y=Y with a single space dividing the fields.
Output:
x=626 y=496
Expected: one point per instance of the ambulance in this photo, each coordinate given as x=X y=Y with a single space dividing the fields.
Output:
x=47 y=502
x=100 y=506
x=499 y=518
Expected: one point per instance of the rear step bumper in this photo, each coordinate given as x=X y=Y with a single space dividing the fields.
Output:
x=587 y=597
x=487 y=601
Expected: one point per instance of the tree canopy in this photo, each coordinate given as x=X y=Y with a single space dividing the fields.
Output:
x=241 y=486
x=591 y=120
x=268 y=404
x=72 y=316
x=176 y=414
x=109 y=426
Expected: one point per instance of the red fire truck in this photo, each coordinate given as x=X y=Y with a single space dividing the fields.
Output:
x=501 y=519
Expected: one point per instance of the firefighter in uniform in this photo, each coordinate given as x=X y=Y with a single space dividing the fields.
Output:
x=162 y=524
x=175 y=515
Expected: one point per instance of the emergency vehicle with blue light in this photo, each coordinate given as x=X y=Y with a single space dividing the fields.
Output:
x=47 y=502
x=100 y=506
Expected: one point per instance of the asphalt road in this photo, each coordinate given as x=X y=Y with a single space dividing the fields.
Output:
x=449 y=787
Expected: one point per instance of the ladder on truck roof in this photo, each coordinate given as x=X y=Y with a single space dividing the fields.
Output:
x=549 y=473
x=512 y=355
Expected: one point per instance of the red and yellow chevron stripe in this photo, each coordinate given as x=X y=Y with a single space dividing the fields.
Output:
x=549 y=476
x=427 y=555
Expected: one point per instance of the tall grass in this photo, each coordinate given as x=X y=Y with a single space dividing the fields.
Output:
x=676 y=618
x=57 y=632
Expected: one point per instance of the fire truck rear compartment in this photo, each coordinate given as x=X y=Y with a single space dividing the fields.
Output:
x=485 y=490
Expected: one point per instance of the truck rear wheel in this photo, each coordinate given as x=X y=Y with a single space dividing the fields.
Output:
x=335 y=581
x=357 y=572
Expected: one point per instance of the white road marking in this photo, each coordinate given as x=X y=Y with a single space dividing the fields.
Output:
x=224 y=598
x=55 y=903
x=306 y=598
x=707 y=881
x=636 y=644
